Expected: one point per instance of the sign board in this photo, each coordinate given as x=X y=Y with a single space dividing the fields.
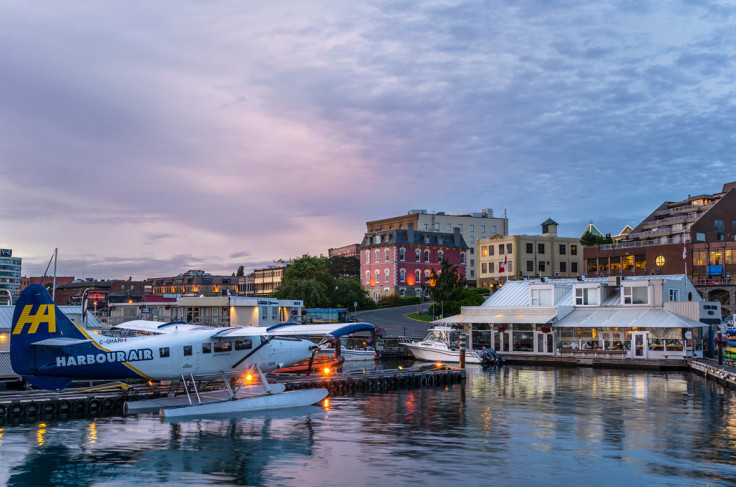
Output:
x=355 y=304
x=419 y=309
x=6 y=252
x=145 y=309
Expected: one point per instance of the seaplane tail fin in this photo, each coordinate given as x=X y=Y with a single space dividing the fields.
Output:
x=37 y=319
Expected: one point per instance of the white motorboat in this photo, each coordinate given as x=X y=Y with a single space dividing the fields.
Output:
x=327 y=349
x=442 y=344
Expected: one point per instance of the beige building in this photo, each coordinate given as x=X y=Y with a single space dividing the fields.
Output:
x=528 y=256
x=265 y=281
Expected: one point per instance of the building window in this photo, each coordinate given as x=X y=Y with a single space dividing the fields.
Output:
x=483 y=268
x=529 y=248
x=530 y=266
x=540 y=248
x=586 y=296
x=472 y=228
x=426 y=256
x=385 y=276
x=541 y=266
x=402 y=254
x=491 y=250
x=562 y=249
x=418 y=255
x=491 y=267
x=462 y=258
x=509 y=248
x=386 y=253
x=440 y=255
x=426 y=276
x=484 y=251
x=187 y=350
x=472 y=239
x=378 y=255
x=425 y=227
x=493 y=229
x=264 y=312
x=402 y=275
x=437 y=226
x=274 y=312
x=700 y=236
x=674 y=294
x=472 y=273
x=573 y=250
x=472 y=250
x=563 y=267
x=500 y=249
x=718 y=225
x=402 y=292
x=472 y=262
x=378 y=277
x=367 y=277
x=482 y=229
x=636 y=295
x=418 y=275
x=541 y=297
x=574 y=267
x=449 y=227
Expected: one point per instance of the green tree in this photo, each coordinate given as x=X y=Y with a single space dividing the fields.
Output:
x=240 y=272
x=343 y=267
x=588 y=239
x=447 y=288
x=312 y=292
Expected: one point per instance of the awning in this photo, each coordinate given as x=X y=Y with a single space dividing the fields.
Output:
x=626 y=318
x=493 y=318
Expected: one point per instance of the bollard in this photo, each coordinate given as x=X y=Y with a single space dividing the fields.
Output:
x=463 y=346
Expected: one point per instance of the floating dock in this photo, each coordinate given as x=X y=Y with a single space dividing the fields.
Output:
x=34 y=405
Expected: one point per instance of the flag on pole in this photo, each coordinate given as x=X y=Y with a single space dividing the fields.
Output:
x=502 y=267
x=684 y=251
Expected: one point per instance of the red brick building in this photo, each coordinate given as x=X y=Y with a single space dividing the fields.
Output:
x=399 y=261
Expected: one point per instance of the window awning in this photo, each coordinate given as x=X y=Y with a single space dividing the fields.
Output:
x=626 y=318
x=493 y=318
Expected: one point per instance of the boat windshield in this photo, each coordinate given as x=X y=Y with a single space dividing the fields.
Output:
x=450 y=338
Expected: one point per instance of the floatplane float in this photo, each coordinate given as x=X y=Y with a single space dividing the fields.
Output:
x=49 y=351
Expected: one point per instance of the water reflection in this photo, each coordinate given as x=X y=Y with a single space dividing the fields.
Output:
x=514 y=425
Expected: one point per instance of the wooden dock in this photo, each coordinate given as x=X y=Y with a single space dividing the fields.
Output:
x=17 y=406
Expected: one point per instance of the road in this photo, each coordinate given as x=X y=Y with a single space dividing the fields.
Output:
x=394 y=320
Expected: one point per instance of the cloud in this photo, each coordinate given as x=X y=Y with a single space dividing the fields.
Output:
x=137 y=132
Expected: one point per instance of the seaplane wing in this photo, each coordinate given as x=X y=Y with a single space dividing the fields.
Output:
x=158 y=327
x=289 y=329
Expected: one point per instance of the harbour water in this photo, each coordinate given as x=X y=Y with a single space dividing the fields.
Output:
x=507 y=426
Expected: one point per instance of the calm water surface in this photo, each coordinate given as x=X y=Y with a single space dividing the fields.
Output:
x=511 y=426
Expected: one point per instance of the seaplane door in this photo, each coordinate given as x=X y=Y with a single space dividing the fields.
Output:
x=188 y=359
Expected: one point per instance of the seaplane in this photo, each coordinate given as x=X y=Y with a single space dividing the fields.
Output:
x=50 y=351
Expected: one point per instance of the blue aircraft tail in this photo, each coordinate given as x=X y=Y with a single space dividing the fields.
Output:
x=37 y=320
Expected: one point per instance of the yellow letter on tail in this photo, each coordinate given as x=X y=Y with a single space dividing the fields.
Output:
x=45 y=314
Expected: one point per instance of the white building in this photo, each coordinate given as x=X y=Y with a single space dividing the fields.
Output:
x=652 y=317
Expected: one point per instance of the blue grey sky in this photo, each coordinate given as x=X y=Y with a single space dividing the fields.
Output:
x=147 y=138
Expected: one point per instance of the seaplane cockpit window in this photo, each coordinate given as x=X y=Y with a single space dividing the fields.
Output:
x=243 y=344
x=163 y=352
x=187 y=350
x=206 y=347
x=224 y=346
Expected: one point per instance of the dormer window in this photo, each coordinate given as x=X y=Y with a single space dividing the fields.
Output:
x=635 y=294
x=586 y=296
x=541 y=297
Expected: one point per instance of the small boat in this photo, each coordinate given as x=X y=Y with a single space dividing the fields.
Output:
x=327 y=349
x=318 y=364
x=442 y=345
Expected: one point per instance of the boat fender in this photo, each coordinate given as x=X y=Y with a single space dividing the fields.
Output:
x=93 y=404
x=49 y=407
x=32 y=409
x=393 y=382
x=79 y=406
x=423 y=381
x=3 y=410
x=107 y=403
x=63 y=406
x=17 y=409
x=118 y=403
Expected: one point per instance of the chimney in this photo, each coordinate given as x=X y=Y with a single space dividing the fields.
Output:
x=410 y=232
x=456 y=237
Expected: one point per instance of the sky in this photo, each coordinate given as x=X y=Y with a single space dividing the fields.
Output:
x=143 y=139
